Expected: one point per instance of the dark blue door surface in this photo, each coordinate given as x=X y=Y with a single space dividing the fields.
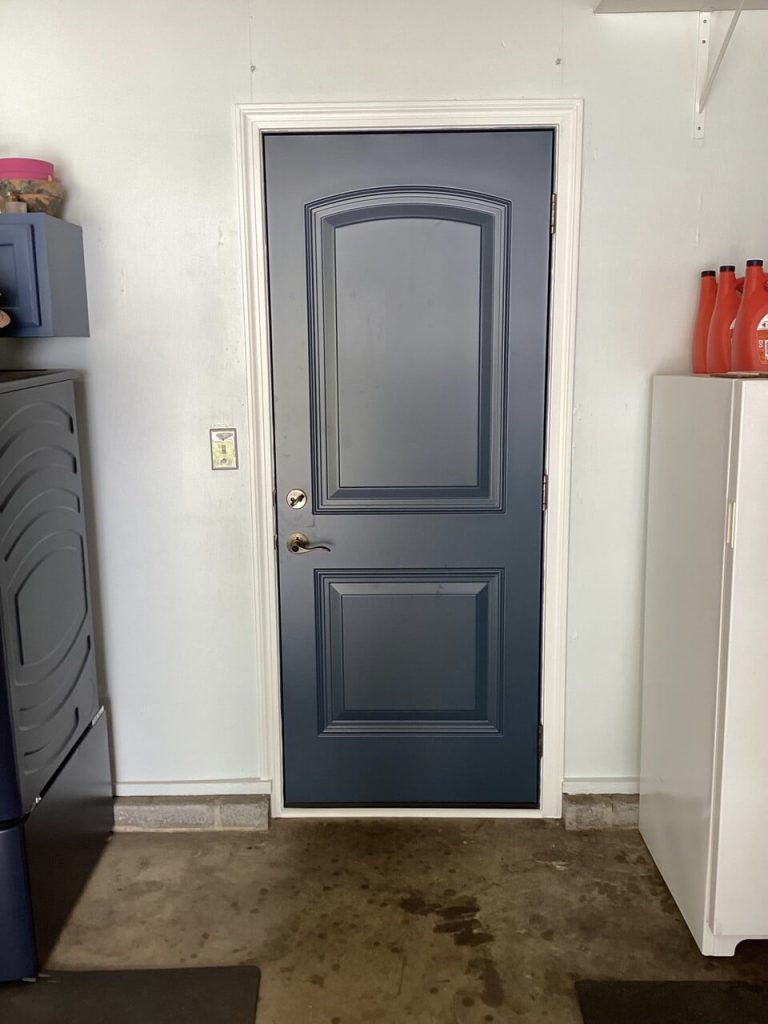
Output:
x=409 y=284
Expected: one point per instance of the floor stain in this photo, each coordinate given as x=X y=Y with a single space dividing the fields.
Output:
x=459 y=920
x=488 y=975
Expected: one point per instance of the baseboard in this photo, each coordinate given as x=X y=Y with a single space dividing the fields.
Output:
x=248 y=813
x=195 y=787
x=625 y=784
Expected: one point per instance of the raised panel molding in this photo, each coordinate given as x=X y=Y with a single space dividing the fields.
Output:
x=477 y=698
x=492 y=217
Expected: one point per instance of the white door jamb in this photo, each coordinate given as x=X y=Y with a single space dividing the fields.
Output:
x=566 y=117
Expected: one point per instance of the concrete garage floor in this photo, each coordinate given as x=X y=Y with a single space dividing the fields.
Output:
x=420 y=921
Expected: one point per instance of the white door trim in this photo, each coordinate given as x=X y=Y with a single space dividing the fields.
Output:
x=254 y=120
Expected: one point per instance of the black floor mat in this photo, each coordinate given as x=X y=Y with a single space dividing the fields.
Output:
x=672 y=1002
x=203 y=995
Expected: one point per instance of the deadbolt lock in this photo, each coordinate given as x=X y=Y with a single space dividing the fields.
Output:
x=296 y=498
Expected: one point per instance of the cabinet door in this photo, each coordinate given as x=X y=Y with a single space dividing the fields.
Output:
x=690 y=462
x=740 y=906
x=19 y=290
x=46 y=614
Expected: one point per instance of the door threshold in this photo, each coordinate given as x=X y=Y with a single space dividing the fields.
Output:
x=416 y=805
x=409 y=812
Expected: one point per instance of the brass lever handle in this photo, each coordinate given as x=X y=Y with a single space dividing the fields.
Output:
x=298 y=544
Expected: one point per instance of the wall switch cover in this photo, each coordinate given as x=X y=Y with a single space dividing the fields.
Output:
x=223 y=448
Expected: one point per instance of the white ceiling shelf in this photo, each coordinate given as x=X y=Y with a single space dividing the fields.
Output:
x=668 y=6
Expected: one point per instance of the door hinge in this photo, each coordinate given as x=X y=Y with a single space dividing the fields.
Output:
x=541 y=740
x=274 y=540
x=553 y=214
x=545 y=492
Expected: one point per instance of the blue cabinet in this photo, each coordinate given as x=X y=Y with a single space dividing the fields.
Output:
x=42 y=277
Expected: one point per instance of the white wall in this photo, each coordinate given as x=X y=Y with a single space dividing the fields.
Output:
x=134 y=102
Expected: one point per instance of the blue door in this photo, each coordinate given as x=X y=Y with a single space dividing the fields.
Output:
x=409 y=288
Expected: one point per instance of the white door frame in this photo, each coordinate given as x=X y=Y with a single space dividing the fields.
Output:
x=566 y=117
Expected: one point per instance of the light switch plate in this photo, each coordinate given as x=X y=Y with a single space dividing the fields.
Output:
x=223 y=448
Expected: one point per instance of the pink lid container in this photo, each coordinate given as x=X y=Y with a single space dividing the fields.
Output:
x=18 y=167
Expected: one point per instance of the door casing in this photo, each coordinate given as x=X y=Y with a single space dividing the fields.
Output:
x=253 y=121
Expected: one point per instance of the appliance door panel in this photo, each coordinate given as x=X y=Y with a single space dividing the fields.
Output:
x=66 y=833
x=17 y=946
x=46 y=611
x=10 y=801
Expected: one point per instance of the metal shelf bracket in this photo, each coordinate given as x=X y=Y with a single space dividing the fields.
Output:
x=705 y=76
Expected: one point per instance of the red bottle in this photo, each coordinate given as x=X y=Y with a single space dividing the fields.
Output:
x=750 y=336
x=707 y=296
x=721 y=324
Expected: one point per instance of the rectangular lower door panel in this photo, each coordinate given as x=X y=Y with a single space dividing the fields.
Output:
x=411 y=694
x=408 y=653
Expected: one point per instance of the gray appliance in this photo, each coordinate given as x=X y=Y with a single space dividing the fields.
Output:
x=55 y=781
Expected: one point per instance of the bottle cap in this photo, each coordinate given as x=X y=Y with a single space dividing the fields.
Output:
x=754 y=263
x=708 y=273
x=728 y=266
